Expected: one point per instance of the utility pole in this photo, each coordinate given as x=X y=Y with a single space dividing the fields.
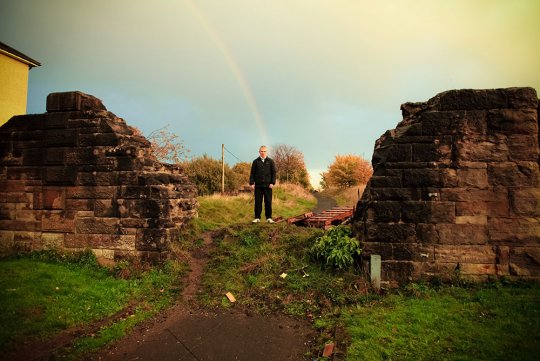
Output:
x=222 y=169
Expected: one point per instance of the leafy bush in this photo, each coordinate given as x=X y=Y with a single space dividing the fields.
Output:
x=336 y=247
x=205 y=172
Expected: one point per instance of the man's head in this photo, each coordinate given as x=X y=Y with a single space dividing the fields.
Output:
x=262 y=151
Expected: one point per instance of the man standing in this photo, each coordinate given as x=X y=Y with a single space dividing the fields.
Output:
x=262 y=178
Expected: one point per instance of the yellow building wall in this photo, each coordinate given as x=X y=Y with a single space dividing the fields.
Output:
x=13 y=88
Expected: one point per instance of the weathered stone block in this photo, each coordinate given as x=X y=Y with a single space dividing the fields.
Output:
x=472 y=178
x=510 y=174
x=85 y=214
x=61 y=175
x=83 y=124
x=96 y=179
x=466 y=254
x=385 y=182
x=462 y=234
x=427 y=233
x=12 y=186
x=525 y=202
x=525 y=261
x=152 y=239
x=441 y=212
x=98 y=225
x=415 y=212
x=401 y=271
x=512 y=121
x=60 y=221
x=514 y=231
x=20 y=197
x=503 y=255
x=477 y=219
x=478 y=269
x=392 y=233
x=73 y=101
x=470 y=194
x=384 y=212
x=463 y=164
x=437 y=123
x=99 y=139
x=6 y=238
x=106 y=208
x=60 y=138
x=27 y=215
x=134 y=192
x=52 y=240
x=7 y=213
x=89 y=192
x=412 y=252
x=15 y=225
x=382 y=249
x=472 y=99
x=23 y=173
x=99 y=241
x=492 y=148
x=130 y=163
x=80 y=204
x=52 y=197
x=431 y=270
x=429 y=177
x=33 y=157
x=54 y=156
x=523 y=147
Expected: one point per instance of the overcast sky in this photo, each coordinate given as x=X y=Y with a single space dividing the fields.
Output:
x=325 y=76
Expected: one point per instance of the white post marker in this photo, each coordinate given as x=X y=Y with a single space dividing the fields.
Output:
x=375 y=271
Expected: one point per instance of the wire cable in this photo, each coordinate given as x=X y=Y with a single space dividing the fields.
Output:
x=228 y=151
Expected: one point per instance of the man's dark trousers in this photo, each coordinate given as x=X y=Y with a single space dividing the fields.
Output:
x=266 y=193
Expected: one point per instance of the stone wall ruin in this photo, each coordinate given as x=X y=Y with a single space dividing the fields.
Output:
x=78 y=177
x=456 y=189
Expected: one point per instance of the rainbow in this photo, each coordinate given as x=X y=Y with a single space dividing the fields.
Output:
x=237 y=72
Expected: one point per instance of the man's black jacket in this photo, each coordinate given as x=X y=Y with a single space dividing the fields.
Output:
x=262 y=173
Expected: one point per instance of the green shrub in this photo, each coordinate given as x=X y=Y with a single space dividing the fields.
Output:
x=336 y=247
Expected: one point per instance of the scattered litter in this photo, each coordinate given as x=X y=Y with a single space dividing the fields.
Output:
x=328 y=349
x=283 y=275
x=230 y=297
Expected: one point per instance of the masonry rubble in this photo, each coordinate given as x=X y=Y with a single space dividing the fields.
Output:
x=79 y=177
x=456 y=189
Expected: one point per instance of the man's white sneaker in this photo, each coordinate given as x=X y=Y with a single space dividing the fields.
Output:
x=256 y=220
x=270 y=220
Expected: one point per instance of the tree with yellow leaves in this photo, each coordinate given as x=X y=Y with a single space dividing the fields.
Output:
x=347 y=171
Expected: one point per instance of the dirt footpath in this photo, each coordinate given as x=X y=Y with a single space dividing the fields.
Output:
x=222 y=335
x=188 y=333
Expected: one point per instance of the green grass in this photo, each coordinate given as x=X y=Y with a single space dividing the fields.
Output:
x=41 y=295
x=484 y=322
x=53 y=297
x=249 y=260
x=218 y=211
x=481 y=323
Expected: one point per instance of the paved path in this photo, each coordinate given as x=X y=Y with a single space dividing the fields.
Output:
x=220 y=335
x=324 y=202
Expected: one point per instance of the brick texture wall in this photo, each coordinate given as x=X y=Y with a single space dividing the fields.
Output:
x=78 y=177
x=456 y=188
